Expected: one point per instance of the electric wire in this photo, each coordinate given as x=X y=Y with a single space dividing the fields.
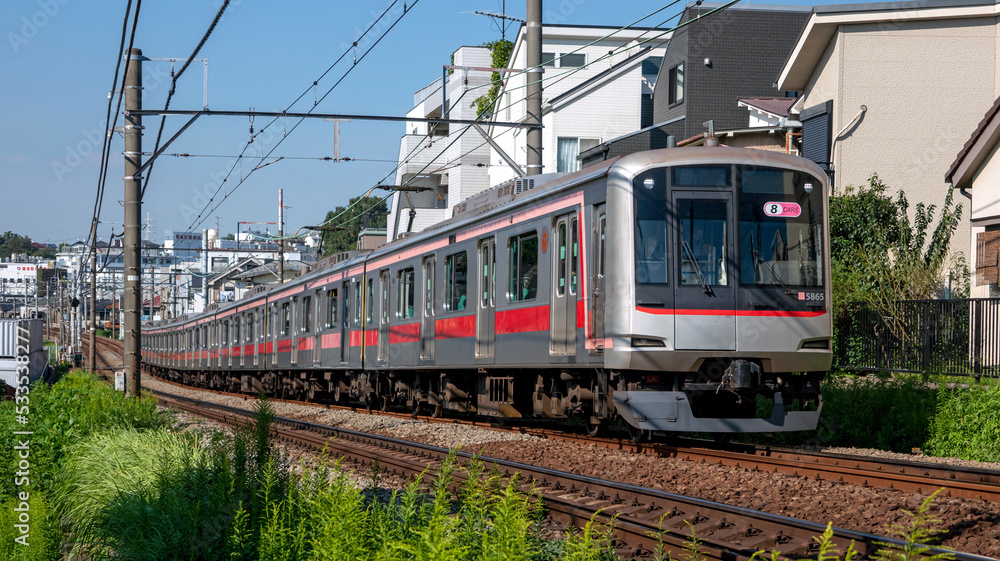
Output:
x=558 y=78
x=173 y=88
x=108 y=129
x=203 y=215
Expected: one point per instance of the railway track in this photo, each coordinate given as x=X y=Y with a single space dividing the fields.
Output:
x=725 y=532
x=909 y=476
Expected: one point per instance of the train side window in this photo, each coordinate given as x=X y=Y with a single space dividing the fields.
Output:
x=523 y=267
x=455 y=281
x=286 y=319
x=357 y=303
x=404 y=305
x=307 y=314
x=331 y=308
x=429 y=287
x=574 y=264
x=370 y=304
x=562 y=256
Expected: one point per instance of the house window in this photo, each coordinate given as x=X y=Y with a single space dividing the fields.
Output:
x=564 y=60
x=407 y=289
x=675 y=90
x=567 y=150
x=523 y=263
x=455 y=283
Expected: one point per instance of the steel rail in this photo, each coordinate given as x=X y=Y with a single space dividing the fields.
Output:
x=725 y=532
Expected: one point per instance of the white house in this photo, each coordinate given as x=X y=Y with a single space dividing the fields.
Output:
x=594 y=89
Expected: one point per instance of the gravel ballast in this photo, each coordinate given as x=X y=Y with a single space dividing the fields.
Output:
x=972 y=526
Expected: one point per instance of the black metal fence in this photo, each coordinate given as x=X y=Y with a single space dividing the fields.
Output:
x=956 y=337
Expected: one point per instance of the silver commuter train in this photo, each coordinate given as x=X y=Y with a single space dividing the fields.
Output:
x=684 y=289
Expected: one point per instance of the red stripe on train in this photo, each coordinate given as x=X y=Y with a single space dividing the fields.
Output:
x=522 y=320
x=406 y=333
x=330 y=341
x=455 y=327
x=738 y=313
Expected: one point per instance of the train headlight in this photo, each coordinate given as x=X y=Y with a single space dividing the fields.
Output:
x=648 y=183
x=808 y=187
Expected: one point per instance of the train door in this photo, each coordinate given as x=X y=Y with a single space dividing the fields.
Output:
x=599 y=297
x=383 y=322
x=345 y=318
x=317 y=328
x=427 y=317
x=486 y=310
x=704 y=287
x=565 y=286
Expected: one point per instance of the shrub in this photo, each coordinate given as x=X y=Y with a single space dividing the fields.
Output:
x=966 y=424
x=884 y=413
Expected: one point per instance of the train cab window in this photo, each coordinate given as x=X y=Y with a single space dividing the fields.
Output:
x=523 y=267
x=331 y=308
x=307 y=314
x=407 y=292
x=703 y=240
x=650 y=229
x=455 y=281
x=780 y=228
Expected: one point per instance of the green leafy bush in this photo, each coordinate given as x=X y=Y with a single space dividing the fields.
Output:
x=877 y=412
x=966 y=424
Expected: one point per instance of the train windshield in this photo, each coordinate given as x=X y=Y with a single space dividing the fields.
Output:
x=781 y=222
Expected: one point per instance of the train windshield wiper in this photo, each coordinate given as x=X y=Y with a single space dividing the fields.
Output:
x=770 y=269
x=697 y=269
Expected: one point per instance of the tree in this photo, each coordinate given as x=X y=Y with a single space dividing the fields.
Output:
x=500 y=52
x=15 y=244
x=351 y=219
x=880 y=257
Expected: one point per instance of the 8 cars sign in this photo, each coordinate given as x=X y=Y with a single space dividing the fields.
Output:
x=784 y=210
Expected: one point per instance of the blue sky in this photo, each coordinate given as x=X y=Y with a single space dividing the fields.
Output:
x=57 y=62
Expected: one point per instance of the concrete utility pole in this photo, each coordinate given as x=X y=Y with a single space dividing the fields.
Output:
x=131 y=298
x=534 y=93
x=92 y=355
x=281 y=236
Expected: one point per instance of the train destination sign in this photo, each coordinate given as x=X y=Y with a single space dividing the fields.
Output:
x=784 y=210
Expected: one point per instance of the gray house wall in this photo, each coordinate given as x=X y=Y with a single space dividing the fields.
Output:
x=747 y=47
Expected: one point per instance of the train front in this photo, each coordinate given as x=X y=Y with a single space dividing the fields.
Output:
x=718 y=313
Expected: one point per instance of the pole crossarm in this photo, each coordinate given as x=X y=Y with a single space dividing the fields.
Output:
x=138 y=174
x=280 y=114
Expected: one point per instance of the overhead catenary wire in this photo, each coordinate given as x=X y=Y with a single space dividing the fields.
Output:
x=203 y=215
x=173 y=88
x=109 y=124
x=557 y=78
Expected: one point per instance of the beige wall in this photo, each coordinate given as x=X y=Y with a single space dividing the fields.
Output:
x=926 y=85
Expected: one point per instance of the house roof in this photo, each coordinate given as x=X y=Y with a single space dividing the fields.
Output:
x=826 y=20
x=970 y=158
x=776 y=106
